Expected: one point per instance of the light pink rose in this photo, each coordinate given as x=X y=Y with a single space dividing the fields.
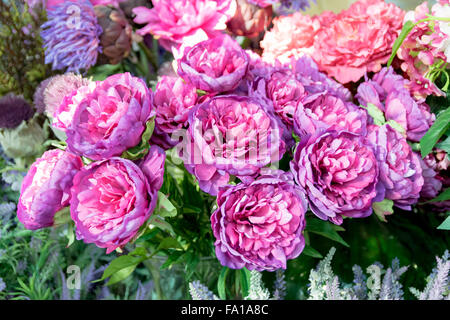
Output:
x=358 y=40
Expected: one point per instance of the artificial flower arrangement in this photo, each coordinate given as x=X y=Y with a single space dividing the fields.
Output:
x=242 y=126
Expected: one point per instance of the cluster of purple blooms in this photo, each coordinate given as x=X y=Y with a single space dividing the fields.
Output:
x=231 y=116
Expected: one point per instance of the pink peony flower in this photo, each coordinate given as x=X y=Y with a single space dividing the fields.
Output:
x=421 y=51
x=173 y=100
x=358 y=40
x=111 y=118
x=388 y=92
x=259 y=224
x=292 y=36
x=284 y=91
x=63 y=114
x=113 y=198
x=215 y=65
x=325 y=111
x=338 y=172
x=46 y=188
x=400 y=168
x=175 y=22
x=230 y=135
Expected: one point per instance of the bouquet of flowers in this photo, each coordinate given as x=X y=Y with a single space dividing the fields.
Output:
x=228 y=130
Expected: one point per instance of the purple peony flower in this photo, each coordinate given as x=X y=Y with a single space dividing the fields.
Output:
x=46 y=188
x=259 y=224
x=284 y=91
x=112 y=199
x=314 y=81
x=71 y=36
x=323 y=111
x=109 y=118
x=14 y=110
x=338 y=171
x=215 y=65
x=431 y=184
x=400 y=168
x=387 y=91
x=230 y=135
x=173 y=100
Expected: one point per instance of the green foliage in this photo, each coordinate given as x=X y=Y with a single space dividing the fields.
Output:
x=22 y=65
x=437 y=130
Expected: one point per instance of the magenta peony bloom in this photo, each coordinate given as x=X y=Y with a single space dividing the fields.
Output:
x=259 y=224
x=325 y=111
x=111 y=118
x=432 y=185
x=113 y=198
x=388 y=92
x=284 y=91
x=215 y=65
x=400 y=169
x=339 y=173
x=63 y=114
x=358 y=40
x=173 y=100
x=175 y=22
x=46 y=188
x=230 y=135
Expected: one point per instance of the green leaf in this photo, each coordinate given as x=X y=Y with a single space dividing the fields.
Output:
x=172 y=259
x=445 y=225
x=165 y=208
x=162 y=224
x=436 y=131
x=325 y=229
x=245 y=281
x=221 y=285
x=443 y=196
x=168 y=243
x=62 y=217
x=397 y=126
x=70 y=235
x=121 y=274
x=309 y=251
x=383 y=209
x=143 y=147
x=375 y=113
x=444 y=145
x=120 y=263
x=407 y=27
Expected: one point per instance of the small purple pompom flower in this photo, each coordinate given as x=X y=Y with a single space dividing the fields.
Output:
x=14 y=110
x=71 y=36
